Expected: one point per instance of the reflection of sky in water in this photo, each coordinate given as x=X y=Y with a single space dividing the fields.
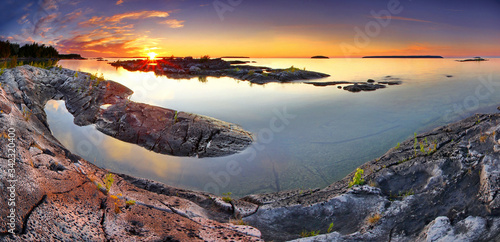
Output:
x=333 y=131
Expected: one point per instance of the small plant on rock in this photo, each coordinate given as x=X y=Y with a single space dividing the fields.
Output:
x=175 y=117
x=415 y=144
x=108 y=181
x=374 y=219
x=305 y=234
x=237 y=221
x=26 y=113
x=357 y=180
x=227 y=197
x=330 y=228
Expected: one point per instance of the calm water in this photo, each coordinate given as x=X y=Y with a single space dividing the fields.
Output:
x=332 y=132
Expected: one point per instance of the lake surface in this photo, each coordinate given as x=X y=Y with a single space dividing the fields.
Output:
x=331 y=133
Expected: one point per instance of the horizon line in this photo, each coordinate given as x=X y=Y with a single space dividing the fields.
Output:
x=288 y=57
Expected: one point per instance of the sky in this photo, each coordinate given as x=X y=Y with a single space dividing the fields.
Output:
x=256 y=28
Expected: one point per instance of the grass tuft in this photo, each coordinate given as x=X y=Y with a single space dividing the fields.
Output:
x=374 y=219
x=305 y=234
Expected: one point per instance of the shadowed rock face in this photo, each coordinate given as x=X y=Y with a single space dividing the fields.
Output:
x=170 y=132
x=158 y=129
x=448 y=190
x=60 y=196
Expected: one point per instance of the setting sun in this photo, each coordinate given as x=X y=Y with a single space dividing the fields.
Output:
x=152 y=55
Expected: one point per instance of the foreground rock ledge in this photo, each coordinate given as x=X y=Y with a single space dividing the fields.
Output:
x=60 y=196
x=447 y=192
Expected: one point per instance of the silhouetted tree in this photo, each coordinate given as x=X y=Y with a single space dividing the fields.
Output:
x=35 y=50
x=4 y=49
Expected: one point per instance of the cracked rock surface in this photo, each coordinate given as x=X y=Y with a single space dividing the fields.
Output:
x=444 y=187
x=61 y=197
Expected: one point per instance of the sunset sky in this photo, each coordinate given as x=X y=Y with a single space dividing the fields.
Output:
x=256 y=28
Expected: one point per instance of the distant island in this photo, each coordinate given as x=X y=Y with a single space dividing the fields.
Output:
x=71 y=56
x=403 y=56
x=477 y=58
x=320 y=57
x=234 y=57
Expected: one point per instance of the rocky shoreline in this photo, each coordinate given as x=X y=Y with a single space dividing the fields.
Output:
x=440 y=185
x=60 y=196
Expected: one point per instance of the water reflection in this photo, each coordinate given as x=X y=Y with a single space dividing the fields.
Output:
x=332 y=132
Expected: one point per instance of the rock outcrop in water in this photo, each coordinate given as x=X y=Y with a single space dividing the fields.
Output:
x=158 y=129
x=441 y=185
x=369 y=85
x=186 y=68
x=50 y=194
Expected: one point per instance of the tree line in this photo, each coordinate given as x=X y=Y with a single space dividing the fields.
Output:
x=34 y=50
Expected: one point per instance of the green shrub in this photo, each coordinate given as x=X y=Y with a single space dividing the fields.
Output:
x=357 y=180
x=175 y=117
x=227 y=197
x=108 y=181
x=330 y=228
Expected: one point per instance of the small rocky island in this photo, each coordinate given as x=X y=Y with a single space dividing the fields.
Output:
x=477 y=58
x=320 y=57
x=188 y=67
x=369 y=85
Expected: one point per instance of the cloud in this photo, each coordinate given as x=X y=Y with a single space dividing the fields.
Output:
x=119 y=17
x=402 y=18
x=173 y=23
x=48 y=5
x=43 y=21
x=119 y=2
x=23 y=19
